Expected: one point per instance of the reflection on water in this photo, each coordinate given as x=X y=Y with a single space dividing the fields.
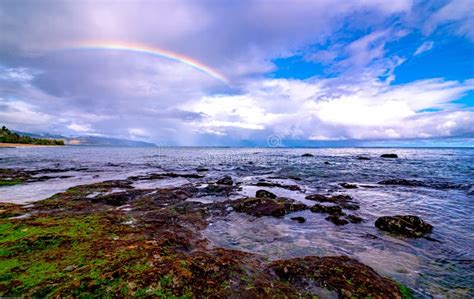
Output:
x=444 y=267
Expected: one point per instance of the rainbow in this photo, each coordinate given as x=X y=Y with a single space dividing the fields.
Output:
x=144 y=49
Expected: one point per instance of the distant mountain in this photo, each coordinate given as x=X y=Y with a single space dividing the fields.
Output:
x=105 y=141
x=91 y=140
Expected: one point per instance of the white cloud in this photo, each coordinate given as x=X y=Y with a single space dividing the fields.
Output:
x=81 y=128
x=458 y=14
x=375 y=110
x=426 y=46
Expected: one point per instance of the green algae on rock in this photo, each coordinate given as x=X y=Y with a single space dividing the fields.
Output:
x=84 y=243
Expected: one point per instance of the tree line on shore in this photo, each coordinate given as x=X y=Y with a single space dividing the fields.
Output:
x=7 y=136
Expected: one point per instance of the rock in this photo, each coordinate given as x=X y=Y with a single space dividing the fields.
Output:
x=318 y=197
x=201 y=169
x=348 y=186
x=217 y=190
x=336 y=220
x=307 y=155
x=405 y=225
x=363 y=158
x=326 y=163
x=402 y=182
x=118 y=198
x=267 y=206
x=317 y=208
x=271 y=184
x=354 y=218
x=227 y=180
x=345 y=201
x=265 y=193
x=298 y=219
x=389 y=156
x=345 y=277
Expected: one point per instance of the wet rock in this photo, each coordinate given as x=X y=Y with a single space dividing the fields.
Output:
x=265 y=193
x=317 y=208
x=402 y=182
x=118 y=198
x=159 y=176
x=363 y=158
x=336 y=220
x=354 y=218
x=405 y=225
x=345 y=201
x=298 y=219
x=318 y=197
x=227 y=180
x=346 y=277
x=202 y=169
x=307 y=155
x=348 y=186
x=326 y=163
x=389 y=156
x=278 y=185
x=218 y=190
x=267 y=206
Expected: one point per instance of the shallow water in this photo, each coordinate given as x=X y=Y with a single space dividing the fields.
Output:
x=431 y=268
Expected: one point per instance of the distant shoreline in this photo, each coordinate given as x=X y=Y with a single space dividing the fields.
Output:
x=14 y=145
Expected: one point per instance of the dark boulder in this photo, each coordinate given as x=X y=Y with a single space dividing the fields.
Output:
x=389 y=156
x=405 y=225
x=317 y=208
x=265 y=193
x=363 y=158
x=267 y=206
x=307 y=155
x=298 y=219
x=227 y=180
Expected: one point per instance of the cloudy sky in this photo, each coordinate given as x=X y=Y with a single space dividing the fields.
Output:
x=241 y=72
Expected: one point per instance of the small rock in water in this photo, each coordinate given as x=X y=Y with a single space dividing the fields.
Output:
x=317 y=208
x=354 y=218
x=307 y=155
x=405 y=225
x=348 y=186
x=227 y=180
x=336 y=220
x=363 y=158
x=201 y=169
x=299 y=219
x=265 y=194
x=403 y=182
x=267 y=206
x=389 y=156
x=327 y=163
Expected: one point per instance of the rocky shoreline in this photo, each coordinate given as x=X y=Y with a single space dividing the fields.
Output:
x=110 y=239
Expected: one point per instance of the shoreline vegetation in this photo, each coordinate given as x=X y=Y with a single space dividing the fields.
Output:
x=12 y=139
x=109 y=239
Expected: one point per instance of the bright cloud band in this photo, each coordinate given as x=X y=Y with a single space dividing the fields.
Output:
x=144 y=49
